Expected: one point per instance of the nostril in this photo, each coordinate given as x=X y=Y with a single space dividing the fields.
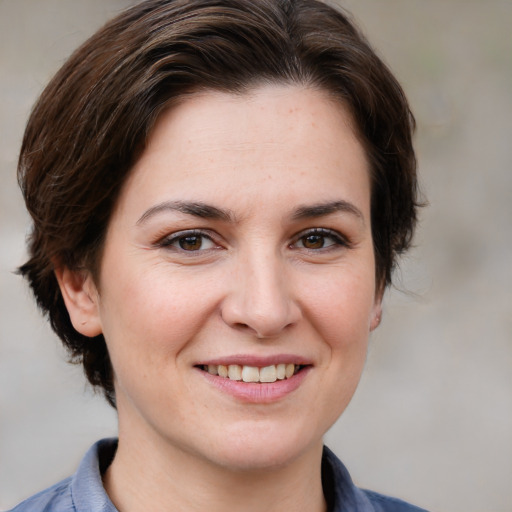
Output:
x=240 y=326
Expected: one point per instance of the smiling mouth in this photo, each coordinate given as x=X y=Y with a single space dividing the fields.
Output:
x=246 y=373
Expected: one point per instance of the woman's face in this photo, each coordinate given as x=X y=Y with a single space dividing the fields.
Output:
x=241 y=241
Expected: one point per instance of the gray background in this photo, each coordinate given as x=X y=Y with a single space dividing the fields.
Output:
x=432 y=419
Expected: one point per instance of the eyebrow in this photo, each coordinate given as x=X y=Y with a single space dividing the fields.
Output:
x=206 y=211
x=196 y=208
x=328 y=208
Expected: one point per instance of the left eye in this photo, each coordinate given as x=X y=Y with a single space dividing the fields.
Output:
x=189 y=242
x=318 y=239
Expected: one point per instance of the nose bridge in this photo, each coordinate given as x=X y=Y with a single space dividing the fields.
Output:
x=260 y=299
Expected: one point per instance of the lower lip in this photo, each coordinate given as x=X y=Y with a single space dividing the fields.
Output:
x=253 y=392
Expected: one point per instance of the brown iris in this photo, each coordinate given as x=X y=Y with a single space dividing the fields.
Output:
x=191 y=243
x=313 y=241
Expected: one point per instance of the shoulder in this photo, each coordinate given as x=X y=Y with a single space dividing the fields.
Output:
x=82 y=492
x=383 y=503
x=55 y=499
x=343 y=496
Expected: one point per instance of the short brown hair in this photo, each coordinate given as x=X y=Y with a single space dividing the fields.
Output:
x=93 y=119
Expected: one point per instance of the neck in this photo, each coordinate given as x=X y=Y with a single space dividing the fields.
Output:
x=145 y=477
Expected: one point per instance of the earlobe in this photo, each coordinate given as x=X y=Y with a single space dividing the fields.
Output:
x=376 y=316
x=81 y=298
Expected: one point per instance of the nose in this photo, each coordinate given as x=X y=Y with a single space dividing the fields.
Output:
x=260 y=300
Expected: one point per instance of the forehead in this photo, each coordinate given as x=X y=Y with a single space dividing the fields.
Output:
x=276 y=141
x=261 y=111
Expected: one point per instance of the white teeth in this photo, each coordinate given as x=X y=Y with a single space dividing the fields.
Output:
x=250 y=374
x=253 y=373
x=290 y=370
x=268 y=374
x=235 y=372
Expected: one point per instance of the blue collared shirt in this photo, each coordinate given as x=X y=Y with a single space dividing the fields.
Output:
x=84 y=491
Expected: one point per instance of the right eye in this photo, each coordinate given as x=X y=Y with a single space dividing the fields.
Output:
x=189 y=241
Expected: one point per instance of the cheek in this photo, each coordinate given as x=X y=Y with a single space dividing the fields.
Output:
x=153 y=315
x=342 y=316
x=341 y=306
x=147 y=326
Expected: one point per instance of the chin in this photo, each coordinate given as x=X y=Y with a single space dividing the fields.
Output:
x=251 y=451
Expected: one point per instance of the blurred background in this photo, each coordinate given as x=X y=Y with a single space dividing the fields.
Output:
x=432 y=419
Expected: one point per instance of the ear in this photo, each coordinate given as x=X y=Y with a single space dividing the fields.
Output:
x=376 y=316
x=82 y=300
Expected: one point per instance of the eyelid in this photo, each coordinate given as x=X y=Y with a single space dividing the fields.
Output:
x=339 y=239
x=169 y=239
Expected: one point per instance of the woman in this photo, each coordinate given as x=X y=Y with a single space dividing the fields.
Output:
x=219 y=191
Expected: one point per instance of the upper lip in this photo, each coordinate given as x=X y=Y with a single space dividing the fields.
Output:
x=257 y=361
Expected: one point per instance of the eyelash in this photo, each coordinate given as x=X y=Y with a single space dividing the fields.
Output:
x=175 y=238
x=337 y=238
x=322 y=233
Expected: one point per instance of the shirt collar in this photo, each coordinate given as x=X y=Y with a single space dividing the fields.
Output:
x=89 y=495
x=340 y=492
x=87 y=489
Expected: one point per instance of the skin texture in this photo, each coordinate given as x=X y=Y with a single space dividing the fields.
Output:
x=250 y=281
